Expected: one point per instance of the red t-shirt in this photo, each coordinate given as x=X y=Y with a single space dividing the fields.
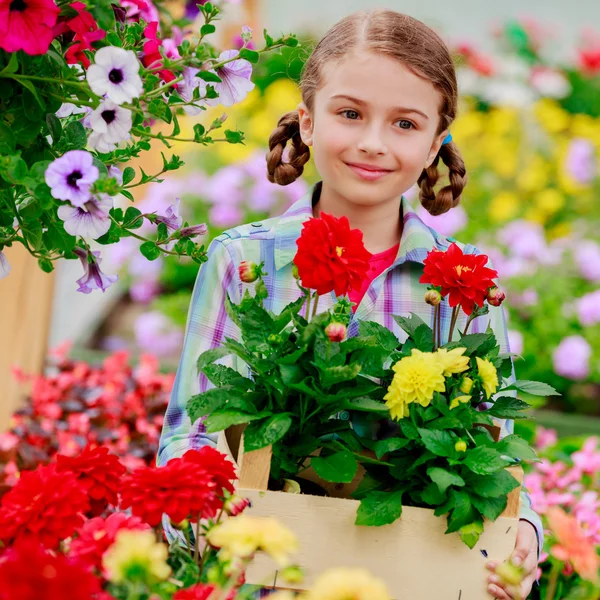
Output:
x=378 y=263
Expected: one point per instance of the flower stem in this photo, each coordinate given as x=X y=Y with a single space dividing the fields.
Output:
x=471 y=318
x=439 y=324
x=552 y=582
x=453 y=322
x=314 y=312
x=435 y=318
x=152 y=178
x=143 y=239
x=161 y=89
x=197 y=540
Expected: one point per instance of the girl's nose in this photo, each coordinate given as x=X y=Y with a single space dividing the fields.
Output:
x=371 y=141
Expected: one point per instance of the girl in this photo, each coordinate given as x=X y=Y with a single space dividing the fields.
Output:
x=379 y=94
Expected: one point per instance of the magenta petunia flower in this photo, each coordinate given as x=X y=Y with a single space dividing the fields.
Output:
x=88 y=221
x=71 y=176
x=235 y=77
x=572 y=357
x=27 y=25
x=93 y=278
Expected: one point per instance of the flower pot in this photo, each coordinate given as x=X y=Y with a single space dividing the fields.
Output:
x=413 y=555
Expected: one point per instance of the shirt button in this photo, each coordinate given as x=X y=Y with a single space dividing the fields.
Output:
x=256 y=224
x=344 y=415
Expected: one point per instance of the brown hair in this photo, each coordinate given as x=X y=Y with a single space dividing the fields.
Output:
x=418 y=47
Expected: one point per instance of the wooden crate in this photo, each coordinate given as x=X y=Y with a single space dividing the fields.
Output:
x=413 y=556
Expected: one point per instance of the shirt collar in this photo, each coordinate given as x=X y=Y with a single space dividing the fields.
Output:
x=416 y=241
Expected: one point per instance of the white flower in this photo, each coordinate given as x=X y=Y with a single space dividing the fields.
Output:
x=110 y=125
x=67 y=109
x=116 y=74
x=89 y=221
x=4 y=266
x=235 y=80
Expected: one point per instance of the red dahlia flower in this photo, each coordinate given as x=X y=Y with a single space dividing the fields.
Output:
x=29 y=572
x=331 y=256
x=200 y=591
x=43 y=504
x=98 y=534
x=98 y=472
x=181 y=489
x=220 y=468
x=27 y=25
x=463 y=276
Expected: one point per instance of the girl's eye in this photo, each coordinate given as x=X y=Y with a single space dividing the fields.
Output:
x=353 y=112
x=404 y=124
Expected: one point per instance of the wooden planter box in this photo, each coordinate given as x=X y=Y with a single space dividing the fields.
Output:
x=413 y=555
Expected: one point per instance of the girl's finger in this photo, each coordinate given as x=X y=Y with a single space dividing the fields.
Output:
x=496 y=591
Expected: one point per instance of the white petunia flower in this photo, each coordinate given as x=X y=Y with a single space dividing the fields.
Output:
x=235 y=80
x=4 y=266
x=115 y=73
x=88 y=221
x=110 y=125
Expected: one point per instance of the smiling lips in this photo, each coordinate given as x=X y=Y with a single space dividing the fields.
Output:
x=368 y=172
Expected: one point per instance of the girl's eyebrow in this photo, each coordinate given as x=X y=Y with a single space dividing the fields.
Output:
x=363 y=103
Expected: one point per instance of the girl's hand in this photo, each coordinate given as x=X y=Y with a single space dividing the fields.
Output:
x=525 y=554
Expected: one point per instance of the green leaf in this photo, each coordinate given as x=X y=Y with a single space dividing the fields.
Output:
x=444 y=479
x=207 y=402
x=332 y=375
x=423 y=338
x=494 y=485
x=265 y=432
x=410 y=324
x=535 y=388
x=159 y=108
x=222 y=419
x=56 y=237
x=132 y=219
x=385 y=338
x=32 y=231
x=482 y=460
x=463 y=512
x=128 y=175
x=340 y=467
x=490 y=508
x=379 y=508
x=268 y=39
x=234 y=137
x=516 y=447
x=209 y=76
x=75 y=134
x=257 y=325
x=474 y=342
x=285 y=316
x=208 y=357
x=365 y=404
x=14 y=169
x=12 y=66
x=508 y=407
x=150 y=250
x=409 y=430
x=471 y=533
x=440 y=443
x=250 y=55
x=382 y=447
x=54 y=127
x=43 y=195
x=32 y=108
x=207 y=29
x=432 y=496
x=7 y=139
x=221 y=375
x=46 y=265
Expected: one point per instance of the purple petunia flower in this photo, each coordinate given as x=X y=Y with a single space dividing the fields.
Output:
x=88 y=221
x=571 y=358
x=172 y=219
x=588 y=308
x=587 y=257
x=114 y=171
x=194 y=230
x=581 y=160
x=4 y=266
x=186 y=91
x=71 y=176
x=93 y=278
x=235 y=77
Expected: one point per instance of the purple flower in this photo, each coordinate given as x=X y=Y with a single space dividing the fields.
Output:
x=581 y=160
x=144 y=291
x=4 y=266
x=588 y=308
x=93 y=278
x=225 y=215
x=172 y=218
x=571 y=358
x=515 y=341
x=235 y=77
x=587 y=257
x=155 y=333
x=449 y=223
x=524 y=239
x=88 y=221
x=194 y=230
x=186 y=91
x=116 y=173
x=71 y=176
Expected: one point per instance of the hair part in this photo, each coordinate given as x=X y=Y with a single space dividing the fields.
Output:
x=419 y=48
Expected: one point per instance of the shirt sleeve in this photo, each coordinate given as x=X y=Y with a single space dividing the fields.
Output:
x=206 y=328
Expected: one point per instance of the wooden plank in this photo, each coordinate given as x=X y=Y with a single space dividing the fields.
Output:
x=25 y=313
x=254 y=468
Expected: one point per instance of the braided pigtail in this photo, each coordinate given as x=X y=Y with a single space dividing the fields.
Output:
x=279 y=171
x=449 y=196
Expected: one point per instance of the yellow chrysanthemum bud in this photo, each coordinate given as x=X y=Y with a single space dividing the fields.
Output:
x=466 y=385
x=459 y=400
x=489 y=376
x=460 y=446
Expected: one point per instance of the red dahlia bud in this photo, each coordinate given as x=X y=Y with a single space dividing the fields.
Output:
x=495 y=296
x=336 y=332
x=248 y=271
x=433 y=297
x=235 y=505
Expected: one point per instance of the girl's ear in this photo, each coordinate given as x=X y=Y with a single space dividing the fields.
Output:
x=435 y=147
x=306 y=124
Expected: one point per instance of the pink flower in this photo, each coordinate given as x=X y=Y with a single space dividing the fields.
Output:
x=449 y=223
x=27 y=25
x=587 y=257
x=571 y=357
x=588 y=458
x=545 y=437
x=588 y=308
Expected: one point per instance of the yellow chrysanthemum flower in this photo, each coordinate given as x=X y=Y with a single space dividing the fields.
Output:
x=459 y=400
x=242 y=536
x=489 y=376
x=466 y=385
x=453 y=360
x=416 y=378
x=136 y=556
x=347 y=584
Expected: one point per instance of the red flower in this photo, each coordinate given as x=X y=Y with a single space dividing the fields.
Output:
x=181 y=489
x=98 y=534
x=29 y=572
x=336 y=332
x=331 y=256
x=464 y=276
x=200 y=591
x=44 y=504
x=217 y=464
x=152 y=56
x=27 y=25
x=98 y=472
x=589 y=60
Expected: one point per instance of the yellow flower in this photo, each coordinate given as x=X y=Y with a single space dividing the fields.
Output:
x=242 y=536
x=344 y=583
x=503 y=206
x=551 y=116
x=488 y=374
x=459 y=400
x=534 y=176
x=416 y=378
x=550 y=200
x=136 y=556
x=466 y=385
x=452 y=361
x=460 y=446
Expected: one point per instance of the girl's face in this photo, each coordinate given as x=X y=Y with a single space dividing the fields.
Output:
x=374 y=111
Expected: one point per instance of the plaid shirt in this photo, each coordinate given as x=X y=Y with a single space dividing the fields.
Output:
x=396 y=291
